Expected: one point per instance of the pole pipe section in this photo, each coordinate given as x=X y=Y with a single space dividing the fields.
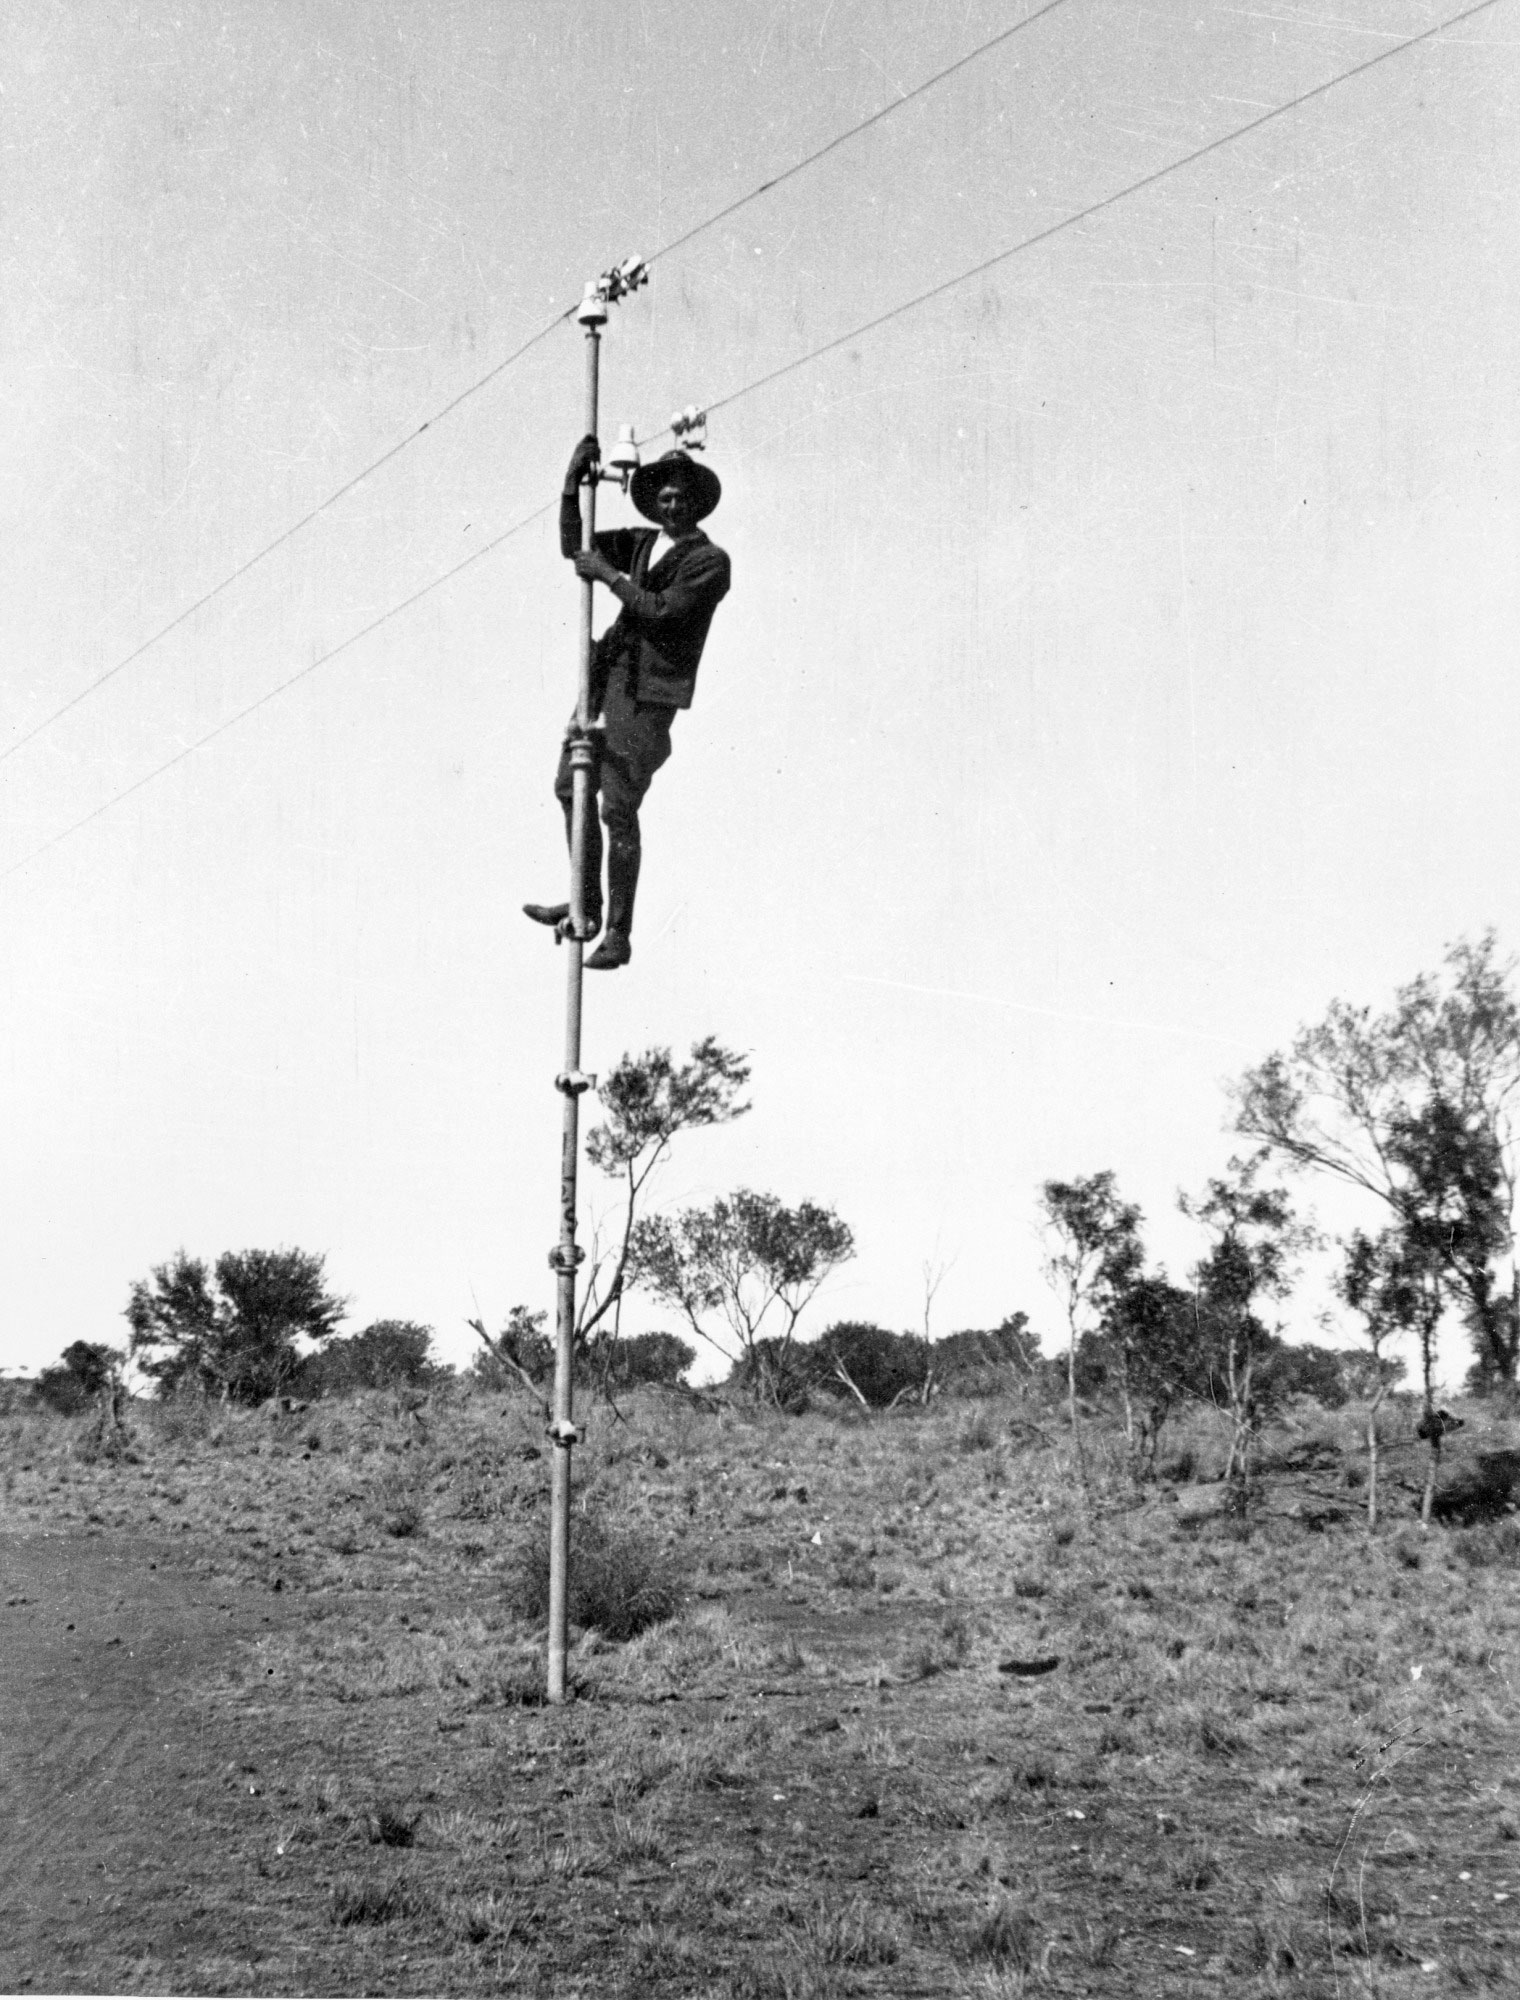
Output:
x=564 y=1318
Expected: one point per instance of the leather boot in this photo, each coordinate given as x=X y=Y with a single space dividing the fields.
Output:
x=624 y=852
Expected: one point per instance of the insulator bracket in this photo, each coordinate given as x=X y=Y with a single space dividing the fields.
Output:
x=609 y=288
x=689 y=428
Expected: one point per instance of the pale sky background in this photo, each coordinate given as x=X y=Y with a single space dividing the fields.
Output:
x=1119 y=664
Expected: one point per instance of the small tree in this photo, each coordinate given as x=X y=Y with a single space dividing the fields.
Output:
x=1391 y=1291
x=648 y=1100
x=1256 y=1238
x=1453 y=1221
x=744 y=1260
x=1092 y=1250
x=177 y=1327
x=234 y=1332
x=934 y=1272
x=1416 y=1106
x=1149 y=1337
x=83 y=1370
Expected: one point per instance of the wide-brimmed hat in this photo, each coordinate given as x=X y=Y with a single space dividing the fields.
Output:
x=702 y=482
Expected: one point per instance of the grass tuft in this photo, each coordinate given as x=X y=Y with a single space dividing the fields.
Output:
x=390 y=1828
x=978 y=1433
x=1005 y=1935
x=636 y=1838
x=620 y=1583
x=488 y=1919
x=1197 y=1867
x=858 y=1934
x=369 y=1901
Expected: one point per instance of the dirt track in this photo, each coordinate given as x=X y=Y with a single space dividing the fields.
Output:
x=116 y=1774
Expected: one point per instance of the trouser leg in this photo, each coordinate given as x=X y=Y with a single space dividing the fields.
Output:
x=637 y=744
x=624 y=852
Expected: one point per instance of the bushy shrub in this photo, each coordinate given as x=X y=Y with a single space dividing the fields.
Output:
x=642 y=1357
x=780 y=1373
x=982 y=1361
x=1302 y=1370
x=883 y=1366
x=77 y=1378
x=1490 y=1545
x=1362 y=1372
x=887 y=1367
x=62 y=1392
x=387 y=1354
x=620 y=1581
x=1486 y=1490
x=1483 y=1380
x=524 y=1339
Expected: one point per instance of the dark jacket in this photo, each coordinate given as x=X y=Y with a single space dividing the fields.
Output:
x=662 y=626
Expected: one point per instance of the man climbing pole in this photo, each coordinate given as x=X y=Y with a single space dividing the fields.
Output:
x=668 y=580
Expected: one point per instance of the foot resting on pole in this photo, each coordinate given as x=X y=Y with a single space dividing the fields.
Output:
x=557 y=917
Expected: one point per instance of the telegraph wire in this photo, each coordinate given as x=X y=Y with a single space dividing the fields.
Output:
x=1094 y=208
x=180 y=617
x=723 y=402
x=274 y=693
x=918 y=90
x=474 y=388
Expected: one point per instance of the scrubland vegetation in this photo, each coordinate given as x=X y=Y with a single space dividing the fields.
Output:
x=865 y=1702
x=1181 y=1664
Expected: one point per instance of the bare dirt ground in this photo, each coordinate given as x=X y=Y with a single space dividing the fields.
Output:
x=116 y=1771
x=267 y=1724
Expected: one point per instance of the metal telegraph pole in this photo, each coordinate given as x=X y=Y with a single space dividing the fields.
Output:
x=571 y=1081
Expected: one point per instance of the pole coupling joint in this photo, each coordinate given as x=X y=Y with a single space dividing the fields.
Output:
x=562 y=1261
x=574 y=1082
x=562 y=1434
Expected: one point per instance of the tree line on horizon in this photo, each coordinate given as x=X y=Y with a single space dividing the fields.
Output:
x=1411 y=1105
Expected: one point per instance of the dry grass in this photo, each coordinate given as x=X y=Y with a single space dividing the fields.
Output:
x=1270 y=1761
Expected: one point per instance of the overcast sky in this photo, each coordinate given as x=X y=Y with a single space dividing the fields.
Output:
x=1119 y=663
